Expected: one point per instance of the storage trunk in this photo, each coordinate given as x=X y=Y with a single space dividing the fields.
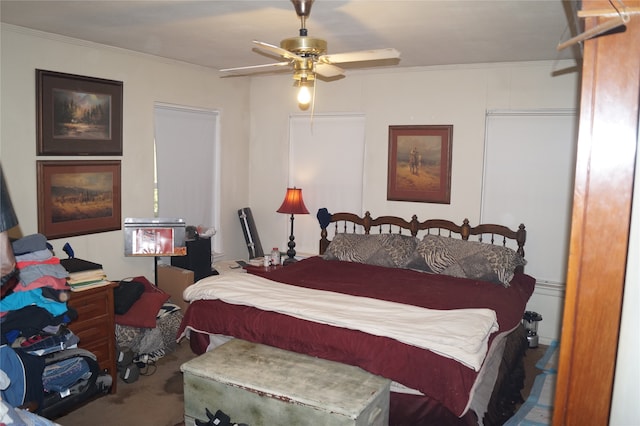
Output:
x=261 y=385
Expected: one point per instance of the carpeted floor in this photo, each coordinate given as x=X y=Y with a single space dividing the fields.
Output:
x=537 y=410
x=157 y=400
x=531 y=359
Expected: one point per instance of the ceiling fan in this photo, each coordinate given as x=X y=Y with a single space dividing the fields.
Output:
x=308 y=56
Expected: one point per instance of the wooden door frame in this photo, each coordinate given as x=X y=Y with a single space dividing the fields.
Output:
x=605 y=163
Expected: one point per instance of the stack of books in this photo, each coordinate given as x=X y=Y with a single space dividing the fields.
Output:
x=84 y=274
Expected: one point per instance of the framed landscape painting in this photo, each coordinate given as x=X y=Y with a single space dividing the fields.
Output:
x=78 y=197
x=78 y=115
x=419 y=165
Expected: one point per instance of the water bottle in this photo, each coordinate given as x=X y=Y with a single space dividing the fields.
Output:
x=275 y=256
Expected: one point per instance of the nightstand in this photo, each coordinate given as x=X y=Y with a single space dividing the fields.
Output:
x=262 y=271
x=95 y=326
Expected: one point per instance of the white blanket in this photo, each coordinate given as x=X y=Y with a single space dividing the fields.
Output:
x=460 y=334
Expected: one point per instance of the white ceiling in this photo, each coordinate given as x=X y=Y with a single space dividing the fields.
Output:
x=218 y=33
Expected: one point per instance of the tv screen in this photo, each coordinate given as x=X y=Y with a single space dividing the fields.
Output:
x=154 y=237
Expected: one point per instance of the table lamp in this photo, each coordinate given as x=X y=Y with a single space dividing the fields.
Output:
x=292 y=205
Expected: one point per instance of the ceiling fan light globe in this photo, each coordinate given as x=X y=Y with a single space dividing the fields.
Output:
x=304 y=95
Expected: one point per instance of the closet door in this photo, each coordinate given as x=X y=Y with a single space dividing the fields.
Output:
x=528 y=178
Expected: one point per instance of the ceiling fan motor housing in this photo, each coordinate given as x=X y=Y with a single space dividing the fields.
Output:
x=308 y=55
x=305 y=46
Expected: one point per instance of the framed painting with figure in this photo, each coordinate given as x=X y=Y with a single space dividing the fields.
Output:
x=78 y=197
x=419 y=165
x=78 y=115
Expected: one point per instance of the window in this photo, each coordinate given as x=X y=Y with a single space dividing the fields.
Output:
x=327 y=162
x=528 y=178
x=187 y=166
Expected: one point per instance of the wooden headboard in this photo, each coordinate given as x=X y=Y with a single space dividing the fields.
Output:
x=352 y=223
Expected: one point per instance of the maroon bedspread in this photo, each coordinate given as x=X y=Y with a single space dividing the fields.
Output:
x=442 y=379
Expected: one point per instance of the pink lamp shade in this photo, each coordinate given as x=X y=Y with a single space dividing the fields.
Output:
x=293 y=203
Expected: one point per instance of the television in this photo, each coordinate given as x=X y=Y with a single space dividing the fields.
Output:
x=154 y=237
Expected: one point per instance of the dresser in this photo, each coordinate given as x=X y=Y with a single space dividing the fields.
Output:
x=95 y=326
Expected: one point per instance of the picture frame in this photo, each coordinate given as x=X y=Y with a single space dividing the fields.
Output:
x=419 y=164
x=77 y=115
x=78 y=197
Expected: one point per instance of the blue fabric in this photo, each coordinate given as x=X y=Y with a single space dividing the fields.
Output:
x=69 y=250
x=61 y=375
x=24 y=418
x=13 y=367
x=35 y=256
x=549 y=362
x=324 y=217
x=537 y=410
x=29 y=243
x=52 y=343
x=20 y=299
x=25 y=375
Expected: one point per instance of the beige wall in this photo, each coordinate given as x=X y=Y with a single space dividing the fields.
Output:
x=458 y=95
x=254 y=129
x=254 y=166
x=146 y=79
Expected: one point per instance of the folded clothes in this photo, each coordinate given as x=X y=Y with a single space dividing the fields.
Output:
x=44 y=344
x=60 y=376
x=33 y=272
x=34 y=256
x=45 y=281
x=22 y=299
x=51 y=260
x=29 y=243
x=31 y=320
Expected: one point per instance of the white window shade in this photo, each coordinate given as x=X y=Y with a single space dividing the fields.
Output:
x=528 y=178
x=186 y=164
x=327 y=162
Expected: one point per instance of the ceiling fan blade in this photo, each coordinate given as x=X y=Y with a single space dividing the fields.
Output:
x=328 y=70
x=239 y=70
x=277 y=50
x=360 y=56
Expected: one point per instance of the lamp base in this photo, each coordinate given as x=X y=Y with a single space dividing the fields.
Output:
x=289 y=261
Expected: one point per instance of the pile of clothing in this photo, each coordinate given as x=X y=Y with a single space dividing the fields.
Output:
x=146 y=326
x=38 y=352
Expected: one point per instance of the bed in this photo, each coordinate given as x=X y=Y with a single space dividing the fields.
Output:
x=434 y=306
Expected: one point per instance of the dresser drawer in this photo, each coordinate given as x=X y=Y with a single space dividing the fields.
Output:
x=92 y=329
x=101 y=350
x=95 y=326
x=89 y=305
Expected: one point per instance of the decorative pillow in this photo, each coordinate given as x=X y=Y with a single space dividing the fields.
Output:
x=469 y=259
x=390 y=250
x=144 y=311
x=125 y=295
